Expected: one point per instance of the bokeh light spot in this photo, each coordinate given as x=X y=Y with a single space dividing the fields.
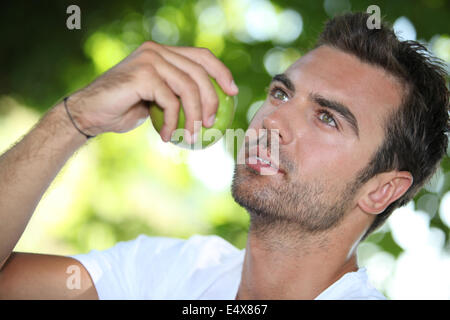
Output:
x=444 y=209
x=277 y=60
x=290 y=26
x=104 y=50
x=164 y=32
x=261 y=20
x=213 y=166
x=404 y=29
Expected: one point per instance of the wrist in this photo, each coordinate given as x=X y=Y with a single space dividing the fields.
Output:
x=88 y=136
x=73 y=105
x=60 y=123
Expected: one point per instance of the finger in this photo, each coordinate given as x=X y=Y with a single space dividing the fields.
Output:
x=208 y=95
x=153 y=88
x=212 y=65
x=171 y=106
x=187 y=89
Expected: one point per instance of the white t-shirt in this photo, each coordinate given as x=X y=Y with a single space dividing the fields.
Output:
x=202 y=267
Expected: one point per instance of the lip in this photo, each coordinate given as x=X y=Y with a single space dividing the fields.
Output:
x=256 y=152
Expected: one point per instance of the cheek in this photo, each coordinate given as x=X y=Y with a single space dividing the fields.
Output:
x=319 y=154
x=326 y=158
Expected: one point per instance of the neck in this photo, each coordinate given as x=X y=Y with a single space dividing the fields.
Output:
x=283 y=262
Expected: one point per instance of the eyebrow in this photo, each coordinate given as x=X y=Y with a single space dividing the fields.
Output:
x=338 y=107
x=284 y=80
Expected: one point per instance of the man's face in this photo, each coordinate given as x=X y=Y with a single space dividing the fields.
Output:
x=329 y=109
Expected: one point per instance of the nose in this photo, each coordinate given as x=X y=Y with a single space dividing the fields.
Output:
x=279 y=120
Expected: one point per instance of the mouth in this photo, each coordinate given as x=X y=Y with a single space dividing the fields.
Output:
x=261 y=163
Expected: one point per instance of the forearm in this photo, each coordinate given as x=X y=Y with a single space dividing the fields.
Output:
x=27 y=170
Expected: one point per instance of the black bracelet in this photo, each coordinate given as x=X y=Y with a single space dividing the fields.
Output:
x=71 y=119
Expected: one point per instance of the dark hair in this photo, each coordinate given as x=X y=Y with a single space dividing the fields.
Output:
x=416 y=132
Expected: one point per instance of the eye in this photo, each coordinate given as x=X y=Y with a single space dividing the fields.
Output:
x=327 y=118
x=279 y=94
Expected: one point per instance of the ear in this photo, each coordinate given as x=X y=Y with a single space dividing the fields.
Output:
x=383 y=189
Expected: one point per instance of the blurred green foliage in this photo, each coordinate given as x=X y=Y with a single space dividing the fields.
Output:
x=128 y=189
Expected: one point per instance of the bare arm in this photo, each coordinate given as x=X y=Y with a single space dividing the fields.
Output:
x=115 y=102
x=42 y=276
x=27 y=170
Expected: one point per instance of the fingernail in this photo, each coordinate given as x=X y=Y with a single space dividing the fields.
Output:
x=211 y=120
x=234 y=86
x=164 y=134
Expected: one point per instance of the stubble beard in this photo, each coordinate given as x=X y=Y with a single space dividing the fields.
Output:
x=289 y=208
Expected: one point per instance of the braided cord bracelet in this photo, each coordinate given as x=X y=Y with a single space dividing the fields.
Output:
x=71 y=119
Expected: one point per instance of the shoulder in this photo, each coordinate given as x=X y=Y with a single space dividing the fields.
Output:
x=153 y=267
x=196 y=251
x=148 y=248
x=197 y=244
x=352 y=286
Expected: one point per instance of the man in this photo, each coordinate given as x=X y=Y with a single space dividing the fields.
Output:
x=361 y=122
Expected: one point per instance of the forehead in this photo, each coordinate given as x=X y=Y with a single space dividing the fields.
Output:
x=368 y=91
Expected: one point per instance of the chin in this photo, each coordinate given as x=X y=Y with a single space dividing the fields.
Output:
x=250 y=192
